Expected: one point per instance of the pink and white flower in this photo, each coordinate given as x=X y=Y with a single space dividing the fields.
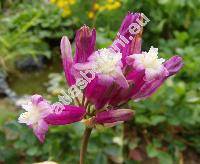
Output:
x=40 y=115
x=36 y=110
x=149 y=62
x=120 y=76
x=107 y=66
x=129 y=74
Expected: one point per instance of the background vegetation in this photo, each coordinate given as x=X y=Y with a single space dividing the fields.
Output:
x=166 y=127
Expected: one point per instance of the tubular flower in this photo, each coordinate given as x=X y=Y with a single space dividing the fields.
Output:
x=149 y=62
x=36 y=110
x=108 y=78
x=107 y=65
x=122 y=71
x=111 y=116
x=40 y=115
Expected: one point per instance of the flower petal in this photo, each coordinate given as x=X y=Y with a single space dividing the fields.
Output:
x=173 y=65
x=111 y=116
x=110 y=125
x=132 y=45
x=67 y=60
x=84 y=66
x=99 y=93
x=27 y=107
x=136 y=80
x=105 y=79
x=85 y=44
x=35 y=99
x=69 y=114
x=23 y=119
x=121 y=80
x=45 y=108
x=40 y=130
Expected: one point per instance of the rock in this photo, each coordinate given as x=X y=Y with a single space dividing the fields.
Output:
x=30 y=64
x=5 y=91
x=3 y=85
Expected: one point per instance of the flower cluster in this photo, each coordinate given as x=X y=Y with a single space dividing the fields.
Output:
x=129 y=74
x=65 y=5
x=106 y=5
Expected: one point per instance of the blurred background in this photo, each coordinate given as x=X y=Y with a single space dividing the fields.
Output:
x=166 y=127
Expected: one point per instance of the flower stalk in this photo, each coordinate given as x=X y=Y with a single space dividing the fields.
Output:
x=84 y=144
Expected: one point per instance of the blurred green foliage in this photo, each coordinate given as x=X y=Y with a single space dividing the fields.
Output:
x=165 y=126
x=26 y=29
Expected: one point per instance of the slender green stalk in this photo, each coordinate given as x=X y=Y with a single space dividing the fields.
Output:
x=84 y=144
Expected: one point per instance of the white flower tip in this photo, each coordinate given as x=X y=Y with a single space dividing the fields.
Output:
x=23 y=119
x=149 y=62
x=106 y=61
x=152 y=49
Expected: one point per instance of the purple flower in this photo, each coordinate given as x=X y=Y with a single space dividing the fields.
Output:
x=130 y=46
x=85 y=44
x=36 y=110
x=150 y=63
x=112 y=76
x=146 y=76
x=107 y=66
x=67 y=60
x=67 y=115
x=40 y=115
x=112 y=116
x=121 y=75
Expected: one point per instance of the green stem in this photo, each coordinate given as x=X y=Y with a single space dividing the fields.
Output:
x=84 y=144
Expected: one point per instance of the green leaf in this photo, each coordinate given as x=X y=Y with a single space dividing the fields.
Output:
x=165 y=158
x=141 y=119
x=152 y=151
x=156 y=119
x=100 y=159
x=32 y=151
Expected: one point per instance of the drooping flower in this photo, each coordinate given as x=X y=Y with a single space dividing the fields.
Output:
x=40 y=115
